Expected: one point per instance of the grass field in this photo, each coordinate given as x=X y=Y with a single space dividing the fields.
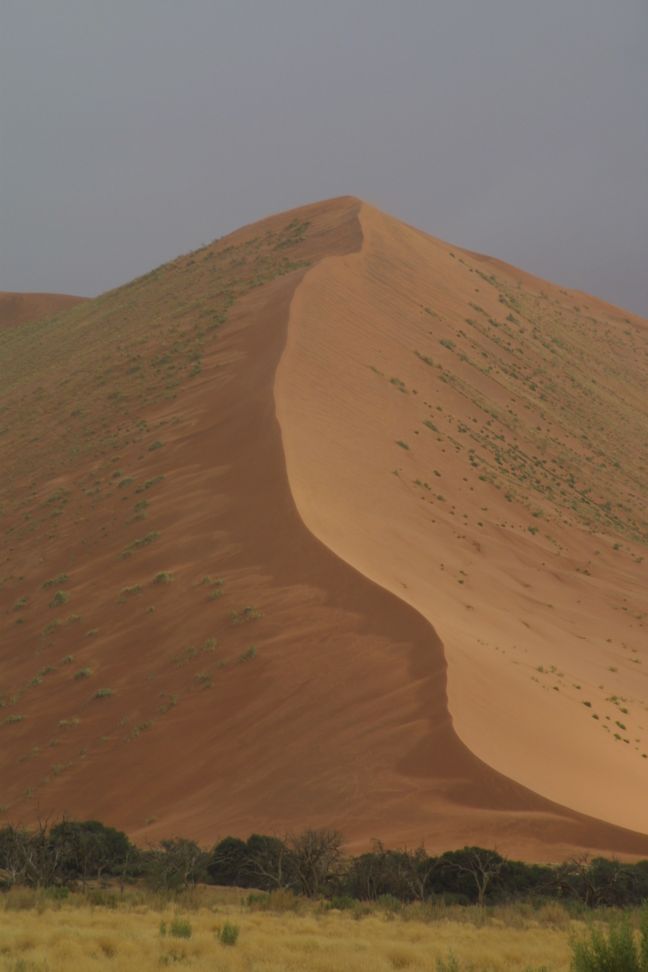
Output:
x=135 y=932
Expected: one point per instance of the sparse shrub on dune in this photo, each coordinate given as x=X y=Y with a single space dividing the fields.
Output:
x=127 y=592
x=69 y=723
x=53 y=581
x=163 y=577
x=216 y=586
x=139 y=544
x=61 y=597
x=149 y=484
x=244 y=615
x=203 y=679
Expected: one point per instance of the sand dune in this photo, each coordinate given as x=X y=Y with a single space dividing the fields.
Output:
x=17 y=308
x=379 y=403
x=255 y=613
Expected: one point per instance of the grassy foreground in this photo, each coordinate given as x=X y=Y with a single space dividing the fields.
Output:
x=106 y=931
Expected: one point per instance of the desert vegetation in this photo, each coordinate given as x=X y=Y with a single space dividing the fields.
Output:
x=313 y=864
x=82 y=891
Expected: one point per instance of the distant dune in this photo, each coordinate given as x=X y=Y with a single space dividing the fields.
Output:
x=20 y=308
x=329 y=523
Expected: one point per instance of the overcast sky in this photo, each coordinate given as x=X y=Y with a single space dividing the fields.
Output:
x=134 y=130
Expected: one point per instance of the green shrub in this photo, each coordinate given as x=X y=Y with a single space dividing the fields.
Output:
x=618 y=951
x=204 y=679
x=164 y=577
x=245 y=614
x=61 y=579
x=138 y=544
x=180 y=928
x=59 y=598
x=103 y=693
x=451 y=965
x=149 y=484
x=228 y=934
x=127 y=592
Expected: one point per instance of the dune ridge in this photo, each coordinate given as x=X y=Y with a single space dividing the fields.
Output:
x=537 y=638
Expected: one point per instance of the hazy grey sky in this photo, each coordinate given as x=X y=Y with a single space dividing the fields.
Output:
x=133 y=130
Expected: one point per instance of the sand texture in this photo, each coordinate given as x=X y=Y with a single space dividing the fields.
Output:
x=231 y=601
x=16 y=308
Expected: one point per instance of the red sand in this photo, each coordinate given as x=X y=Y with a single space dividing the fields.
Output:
x=18 y=308
x=340 y=717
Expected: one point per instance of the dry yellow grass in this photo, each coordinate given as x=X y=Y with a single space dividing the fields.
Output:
x=38 y=934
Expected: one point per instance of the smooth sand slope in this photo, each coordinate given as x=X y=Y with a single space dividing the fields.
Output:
x=474 y=440
x=16 y=308
x=180 y=653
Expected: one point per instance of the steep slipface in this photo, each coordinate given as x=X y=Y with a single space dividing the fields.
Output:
x=16 y=308
x=474 y=440
x=179 y=653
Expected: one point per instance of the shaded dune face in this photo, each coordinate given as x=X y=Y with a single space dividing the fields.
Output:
x=219 y=662
x=17 y=308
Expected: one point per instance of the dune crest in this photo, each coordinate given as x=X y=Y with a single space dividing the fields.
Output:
x=408 y=396
x=19 y=308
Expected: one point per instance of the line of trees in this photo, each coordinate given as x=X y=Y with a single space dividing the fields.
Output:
x=310 y=863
